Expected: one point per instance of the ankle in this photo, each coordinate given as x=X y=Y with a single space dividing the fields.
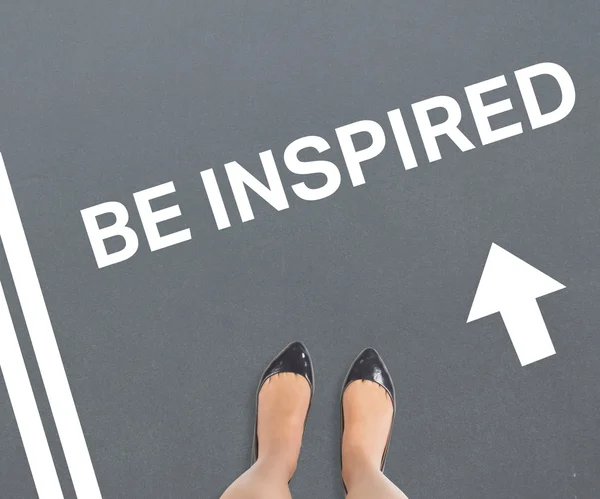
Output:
x=358 y=463
x=278 y=464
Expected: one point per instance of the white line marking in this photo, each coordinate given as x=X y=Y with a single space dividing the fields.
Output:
x=44 y=344
x=25 y=408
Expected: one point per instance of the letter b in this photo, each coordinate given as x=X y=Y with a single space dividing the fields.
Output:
x=97 y=235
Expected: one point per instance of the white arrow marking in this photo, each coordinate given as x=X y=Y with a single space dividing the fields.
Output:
x=511 y=286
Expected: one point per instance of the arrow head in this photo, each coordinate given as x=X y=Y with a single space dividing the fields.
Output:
x=505 y=280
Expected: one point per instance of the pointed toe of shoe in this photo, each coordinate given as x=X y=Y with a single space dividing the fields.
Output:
x=369 y=366
x=293 y=359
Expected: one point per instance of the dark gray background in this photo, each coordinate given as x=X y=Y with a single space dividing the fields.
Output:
x=102 y=99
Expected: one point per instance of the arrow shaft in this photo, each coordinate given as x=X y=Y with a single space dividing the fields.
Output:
x=527 y=330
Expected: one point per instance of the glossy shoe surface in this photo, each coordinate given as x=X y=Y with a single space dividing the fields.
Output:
x=293 y=359
x=369 y=366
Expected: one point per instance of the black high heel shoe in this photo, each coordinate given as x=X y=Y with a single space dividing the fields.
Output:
x=369 y=366
x=293 y=359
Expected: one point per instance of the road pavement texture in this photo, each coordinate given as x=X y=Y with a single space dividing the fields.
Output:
x=163 y=351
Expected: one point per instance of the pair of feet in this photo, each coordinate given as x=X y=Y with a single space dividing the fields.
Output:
x=283 y=403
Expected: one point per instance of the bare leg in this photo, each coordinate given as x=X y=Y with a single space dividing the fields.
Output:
x=282 y=406
x=368 y=412
x=261 y=481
